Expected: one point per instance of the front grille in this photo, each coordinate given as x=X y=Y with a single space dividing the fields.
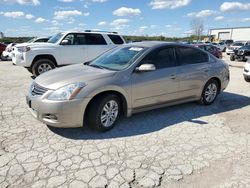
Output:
x=37 y=90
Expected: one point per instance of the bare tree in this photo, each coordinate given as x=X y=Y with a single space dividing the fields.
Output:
x=197 y=27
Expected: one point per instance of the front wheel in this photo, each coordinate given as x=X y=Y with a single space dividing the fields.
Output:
x=232 y=58
x=42 y=66
x=210 y=92
x=104 y=112
x=247 y=79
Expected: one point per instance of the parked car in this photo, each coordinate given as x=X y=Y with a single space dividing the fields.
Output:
x=211 y=49
x=246 y=72
x=236 y=46
x=241 y=54
x=2 y=48
x=65 y=49
x=7 y=55
x=221 y=45
x=125 y=80
x=228 y=42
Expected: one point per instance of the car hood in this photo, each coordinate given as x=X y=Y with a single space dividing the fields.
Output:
x=36 y=44
x=60 y=77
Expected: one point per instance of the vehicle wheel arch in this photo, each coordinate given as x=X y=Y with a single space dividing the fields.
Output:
x=216 y=79
x=122 y=98
x=44 y=56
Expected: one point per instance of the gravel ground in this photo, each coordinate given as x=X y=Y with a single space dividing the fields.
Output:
x=187 y=145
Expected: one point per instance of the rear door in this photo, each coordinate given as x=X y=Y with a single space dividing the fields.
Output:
x=96 y=45
x=193 y=71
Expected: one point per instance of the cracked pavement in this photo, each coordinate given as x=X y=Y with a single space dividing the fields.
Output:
x=187 y=145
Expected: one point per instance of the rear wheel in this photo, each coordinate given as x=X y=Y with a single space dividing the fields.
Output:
x=42 y=66
x=209 y=92
x=104 y=112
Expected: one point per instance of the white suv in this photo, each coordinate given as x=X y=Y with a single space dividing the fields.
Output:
x=64 y=49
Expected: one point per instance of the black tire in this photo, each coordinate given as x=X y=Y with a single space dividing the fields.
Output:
x=247 y=79
x=42 y=62
x=232 y=58
x=96 y=109
x=228 y=54
x=3 y=58
x=204 y=99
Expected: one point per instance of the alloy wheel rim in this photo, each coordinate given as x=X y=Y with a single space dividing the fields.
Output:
x=44 y=68
x=211 y=92
x=109 y=113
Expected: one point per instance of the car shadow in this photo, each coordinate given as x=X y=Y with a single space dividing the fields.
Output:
x=155 y=120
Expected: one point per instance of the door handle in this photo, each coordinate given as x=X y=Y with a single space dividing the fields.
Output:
x=172 y=76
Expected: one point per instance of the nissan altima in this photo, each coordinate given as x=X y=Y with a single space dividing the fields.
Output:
x=125 y=80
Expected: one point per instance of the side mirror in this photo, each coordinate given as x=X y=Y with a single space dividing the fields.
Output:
x=145 y=68
x=65 y=42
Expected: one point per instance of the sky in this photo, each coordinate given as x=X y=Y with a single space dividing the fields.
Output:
x=169 y=18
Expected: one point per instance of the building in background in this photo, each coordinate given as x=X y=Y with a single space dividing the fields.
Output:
x=1 y=35
x=233 y=33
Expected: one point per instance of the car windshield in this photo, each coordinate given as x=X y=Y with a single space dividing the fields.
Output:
x=118 y=58
x=31 y=40
x=55 y=38
x=245 y=47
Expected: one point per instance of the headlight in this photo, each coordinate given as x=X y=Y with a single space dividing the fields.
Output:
x=67 y=92
x=23 y=49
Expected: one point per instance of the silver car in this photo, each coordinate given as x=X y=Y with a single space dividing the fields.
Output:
x=125 y=80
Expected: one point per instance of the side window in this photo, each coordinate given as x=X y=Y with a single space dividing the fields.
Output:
x=42 y=40
x=70 y=39
x=209 y=48
x=188 y=55
x=80 y=39
x=116 y=39
x=95 y=39
x=161 y=58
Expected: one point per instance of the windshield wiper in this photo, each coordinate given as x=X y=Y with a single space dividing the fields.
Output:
x=97 y=66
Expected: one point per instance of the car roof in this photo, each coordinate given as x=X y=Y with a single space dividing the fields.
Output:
x=92 y=32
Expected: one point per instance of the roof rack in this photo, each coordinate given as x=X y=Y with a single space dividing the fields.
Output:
x=101 y=31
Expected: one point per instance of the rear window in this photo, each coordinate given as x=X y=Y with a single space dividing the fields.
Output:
x=116 y=39
x=191 y=56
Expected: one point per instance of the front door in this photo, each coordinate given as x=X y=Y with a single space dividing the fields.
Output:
x=75 y=50
x=159 y=86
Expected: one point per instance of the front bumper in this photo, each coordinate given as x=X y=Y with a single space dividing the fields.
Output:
x=22 y=59
x=64 y=114
x=229 y=51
